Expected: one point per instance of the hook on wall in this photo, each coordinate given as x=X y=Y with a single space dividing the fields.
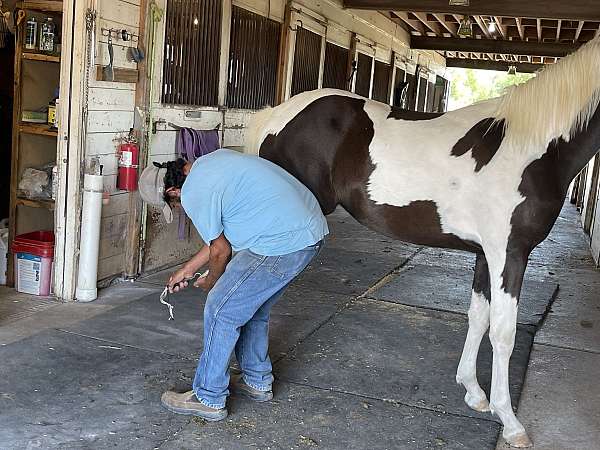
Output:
x=299 y=25
x=123 y=34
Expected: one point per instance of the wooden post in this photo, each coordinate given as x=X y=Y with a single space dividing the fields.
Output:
x=392 y=77
x=12 y=220
x=351 y=58
x=282 y=62
x=142 y=104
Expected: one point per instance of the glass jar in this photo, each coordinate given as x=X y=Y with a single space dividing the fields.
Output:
x=47 y=36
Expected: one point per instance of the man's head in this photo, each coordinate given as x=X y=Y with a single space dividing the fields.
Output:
x=175 y=175
x=160 y=184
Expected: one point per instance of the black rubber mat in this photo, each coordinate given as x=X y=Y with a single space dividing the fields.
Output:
x=449 y=289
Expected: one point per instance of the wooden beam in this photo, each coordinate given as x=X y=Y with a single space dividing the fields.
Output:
x=414 y=24
x=492 y=65
x=452 y=29
x=520 y=28
x=500 y=26
x=578 y=31
x=349 y=67
x=551 y=9
x=484 y=29
x=433 y=27
x=282 y=60
x=131 y=259
x=492 y=46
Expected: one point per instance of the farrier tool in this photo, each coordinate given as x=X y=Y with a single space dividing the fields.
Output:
x=165 y=293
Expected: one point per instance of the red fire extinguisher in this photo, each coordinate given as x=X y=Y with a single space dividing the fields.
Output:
x=129 y=154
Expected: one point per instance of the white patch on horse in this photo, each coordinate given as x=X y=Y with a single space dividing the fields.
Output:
x=503 y=321
x=466 y=374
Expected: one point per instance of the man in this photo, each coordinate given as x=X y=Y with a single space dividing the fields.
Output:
x=275 y=225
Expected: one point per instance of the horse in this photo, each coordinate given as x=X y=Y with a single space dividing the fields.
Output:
x=490 y=178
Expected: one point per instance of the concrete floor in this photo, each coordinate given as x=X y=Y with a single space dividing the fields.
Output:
x=365 y=345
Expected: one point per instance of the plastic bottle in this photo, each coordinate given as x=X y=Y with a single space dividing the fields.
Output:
x=31 y=29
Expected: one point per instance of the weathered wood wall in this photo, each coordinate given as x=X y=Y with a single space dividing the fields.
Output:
x=111 y=107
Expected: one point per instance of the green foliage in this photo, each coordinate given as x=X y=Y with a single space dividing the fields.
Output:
x=470 y=85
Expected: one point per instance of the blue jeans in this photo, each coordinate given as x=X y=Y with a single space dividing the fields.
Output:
x=236 y=316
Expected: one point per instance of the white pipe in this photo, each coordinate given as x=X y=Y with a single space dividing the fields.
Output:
x=90 y=238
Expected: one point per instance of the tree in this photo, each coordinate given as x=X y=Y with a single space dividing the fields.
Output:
x=469 y=86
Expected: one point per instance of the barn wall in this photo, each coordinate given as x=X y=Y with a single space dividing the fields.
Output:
x=590 y=213
x=595 y=230
x=378 y=34
x=111 y=107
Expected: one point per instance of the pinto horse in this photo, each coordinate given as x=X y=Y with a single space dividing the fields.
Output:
x=490 y=178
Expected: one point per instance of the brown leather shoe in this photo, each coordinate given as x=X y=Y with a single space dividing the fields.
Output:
x=187 y=403
x=238 y=386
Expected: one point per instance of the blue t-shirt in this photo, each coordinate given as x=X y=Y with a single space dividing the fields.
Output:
x=255 y=203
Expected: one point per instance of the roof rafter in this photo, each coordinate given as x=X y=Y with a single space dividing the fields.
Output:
x=552 y=9
x=492 y=65
x=433 y=27
x=453 y=30
x=493 y=46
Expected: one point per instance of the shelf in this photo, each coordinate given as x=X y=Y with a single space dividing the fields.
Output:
x=37 y=128
x=41 y=57
x=42 y=5
x=45 y=204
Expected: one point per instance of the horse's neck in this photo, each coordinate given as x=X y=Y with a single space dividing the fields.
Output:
x=575 y=154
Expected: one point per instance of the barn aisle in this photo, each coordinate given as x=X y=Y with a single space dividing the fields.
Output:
x=365 y=346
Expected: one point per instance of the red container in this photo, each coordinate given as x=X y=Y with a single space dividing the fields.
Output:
x=34 y=257
x=38 y=243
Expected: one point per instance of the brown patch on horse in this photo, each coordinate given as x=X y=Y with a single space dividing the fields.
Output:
x=483 y=140
x=326 y=146
x=405 y=114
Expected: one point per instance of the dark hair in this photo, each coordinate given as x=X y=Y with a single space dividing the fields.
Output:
x=174 y=178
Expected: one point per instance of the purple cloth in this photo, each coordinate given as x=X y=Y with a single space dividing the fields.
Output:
x=190 y=145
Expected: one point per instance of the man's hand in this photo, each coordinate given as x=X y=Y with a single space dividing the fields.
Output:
x=178 y=280
x=205 y=283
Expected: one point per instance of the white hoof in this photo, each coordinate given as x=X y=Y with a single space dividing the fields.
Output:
x=477 y=403
x=520 y=440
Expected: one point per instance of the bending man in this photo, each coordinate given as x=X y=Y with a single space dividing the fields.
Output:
x=276 y=226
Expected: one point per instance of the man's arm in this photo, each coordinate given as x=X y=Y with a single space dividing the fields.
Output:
x=219 y=256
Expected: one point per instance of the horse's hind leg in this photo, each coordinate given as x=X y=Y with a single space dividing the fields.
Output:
x=479 y=320
x=506 y=282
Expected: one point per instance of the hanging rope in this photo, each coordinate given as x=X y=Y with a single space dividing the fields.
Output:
x=165 y=293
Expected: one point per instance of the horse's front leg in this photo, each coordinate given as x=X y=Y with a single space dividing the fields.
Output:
x=506 y=281
x=479 y=320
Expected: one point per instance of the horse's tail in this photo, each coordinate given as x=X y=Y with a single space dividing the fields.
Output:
x=255 y=130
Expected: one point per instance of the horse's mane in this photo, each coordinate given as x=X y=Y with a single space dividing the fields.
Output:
x=558 y=102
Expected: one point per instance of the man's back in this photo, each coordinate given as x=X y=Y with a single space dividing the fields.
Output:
x=257 y=204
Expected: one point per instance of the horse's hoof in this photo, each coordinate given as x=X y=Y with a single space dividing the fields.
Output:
x=477 y=404
x=520 y=440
